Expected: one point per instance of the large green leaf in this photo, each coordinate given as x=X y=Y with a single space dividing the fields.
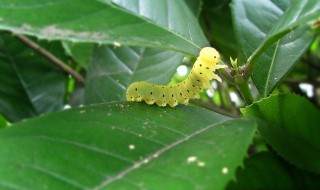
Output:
x=218 y=24
x=163 y=24
x=255 y=174
x=124 y=146
x=30 y=84
x=277 y=174
x=273 y=66
x=113 y=69
x=3 y=122
x=257 y=30
x=195 y=6
x=292 y=128
x=253 y=20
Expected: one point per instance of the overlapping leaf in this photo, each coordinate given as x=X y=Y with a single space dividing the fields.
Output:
x=124 y=146
x=260 y=25
x=30 y=84
x=278 y=175
x=292 y=128
x=162 y=24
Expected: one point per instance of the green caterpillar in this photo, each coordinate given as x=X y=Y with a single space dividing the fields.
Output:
x=199 y=79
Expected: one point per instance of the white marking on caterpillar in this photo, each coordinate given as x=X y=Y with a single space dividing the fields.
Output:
x=199 y=79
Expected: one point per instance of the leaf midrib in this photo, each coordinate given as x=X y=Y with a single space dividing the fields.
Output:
x=152 y=23
x=265 y=91
x=151 y=157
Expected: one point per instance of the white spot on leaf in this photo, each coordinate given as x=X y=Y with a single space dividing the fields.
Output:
x=116 y=44
x=191 y=159
x=132 y=147
x=201 y=164
x=67 y=106
x=225 y=170
x=26 y=26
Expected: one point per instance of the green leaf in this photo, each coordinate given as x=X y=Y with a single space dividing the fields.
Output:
x=257 y=30
x=255 y=174
x=280 y=17
x=278 y=174
x=252 y=25
x=273 y=66
x=80 y=52
x=291 y=128
x=218 y=24
x=162 y=24
x=3 y=122
x=30 y=84
x=112 y=70
x=95 y=147
x=195 y=6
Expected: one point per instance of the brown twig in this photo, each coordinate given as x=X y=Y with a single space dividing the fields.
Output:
x=214 y=108
x=50 y=57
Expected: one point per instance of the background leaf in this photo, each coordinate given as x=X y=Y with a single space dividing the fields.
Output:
x=3 y=122
x=30 y=84
x=195 y=6
x=292 y=127
x=255 y=27
x=171 y=25
x=278 y=174
x=80 y=52
x=255 y=174
x=112 y=70
x=281 y=58
x=217 y=22
x=149 y=146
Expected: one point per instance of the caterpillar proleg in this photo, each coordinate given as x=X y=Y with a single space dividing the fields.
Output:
x=202 y=73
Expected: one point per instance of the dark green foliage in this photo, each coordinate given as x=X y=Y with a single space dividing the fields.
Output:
x=111 y=144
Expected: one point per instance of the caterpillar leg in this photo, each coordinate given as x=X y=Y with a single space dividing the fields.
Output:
x=161 y=103
x=216 y=77
x=149 y=101
x=185 y=102
x=173 y=103
x=221 y=66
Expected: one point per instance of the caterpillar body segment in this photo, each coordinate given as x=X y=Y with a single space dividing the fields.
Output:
x=202 y=73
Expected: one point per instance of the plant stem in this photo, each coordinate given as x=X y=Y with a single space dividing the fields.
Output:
x=50 y=57
x=245 y=91
x=226 y=73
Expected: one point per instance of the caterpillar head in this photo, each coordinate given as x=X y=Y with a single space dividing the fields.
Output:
x=209 y=54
